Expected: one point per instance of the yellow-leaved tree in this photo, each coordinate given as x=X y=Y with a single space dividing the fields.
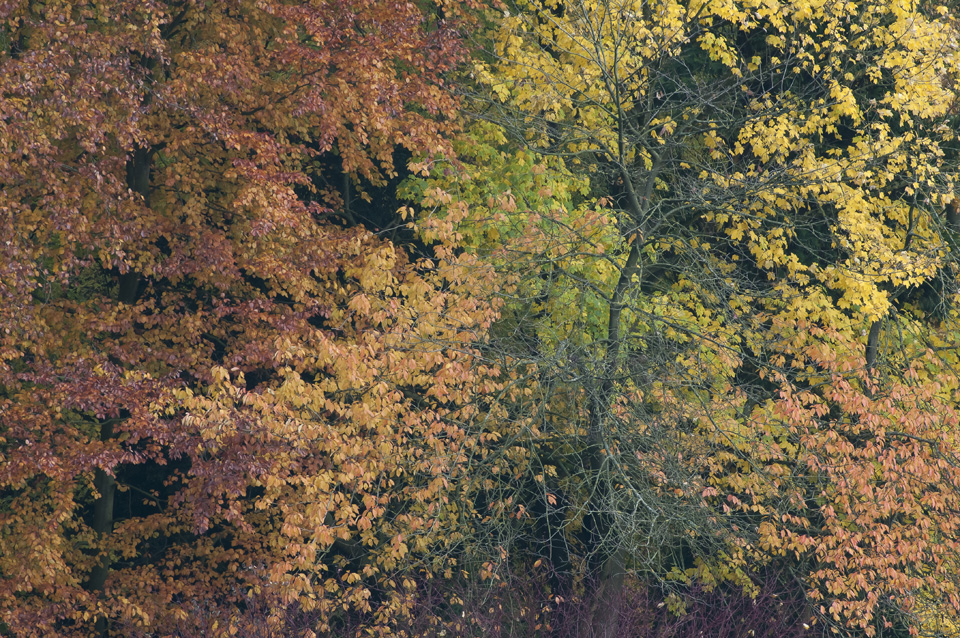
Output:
x=737 y=330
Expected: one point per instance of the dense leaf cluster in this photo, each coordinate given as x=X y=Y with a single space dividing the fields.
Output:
x=537 y=318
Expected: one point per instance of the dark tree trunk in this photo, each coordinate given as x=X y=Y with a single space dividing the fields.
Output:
x=607 y=557
x=138 y=180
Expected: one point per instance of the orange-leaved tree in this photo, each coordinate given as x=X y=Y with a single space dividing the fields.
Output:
x=223 y=402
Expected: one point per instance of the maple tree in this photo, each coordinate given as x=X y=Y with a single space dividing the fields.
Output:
x=218 y=391
x=730 y=234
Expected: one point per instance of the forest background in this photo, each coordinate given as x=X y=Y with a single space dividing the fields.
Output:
x=582 y=318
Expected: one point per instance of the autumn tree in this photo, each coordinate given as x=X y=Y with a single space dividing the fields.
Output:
x=738 y=339
x=220 y=388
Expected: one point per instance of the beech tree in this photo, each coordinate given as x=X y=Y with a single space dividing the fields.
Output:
x=218 y=393
x=740 y=336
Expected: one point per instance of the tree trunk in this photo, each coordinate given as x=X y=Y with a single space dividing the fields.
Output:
x=138 y=180
x=605 y=608
x=873 y=344
x=106 y=486
x=607 y=555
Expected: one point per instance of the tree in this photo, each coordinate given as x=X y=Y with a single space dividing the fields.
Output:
x=217 y=393
x=777 y=178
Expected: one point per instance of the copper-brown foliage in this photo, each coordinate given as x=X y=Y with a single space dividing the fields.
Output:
x=181 y=310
